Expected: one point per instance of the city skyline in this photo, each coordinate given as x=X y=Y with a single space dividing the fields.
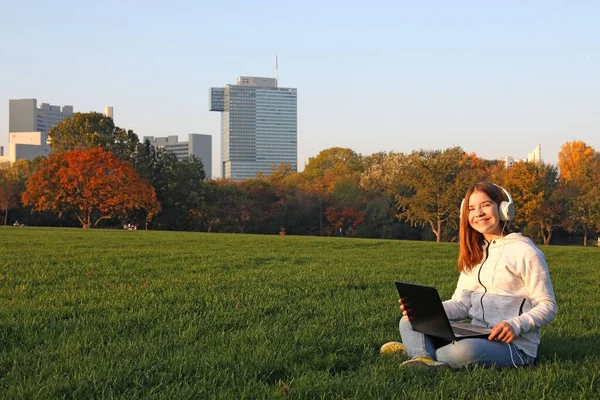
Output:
x=494 y=79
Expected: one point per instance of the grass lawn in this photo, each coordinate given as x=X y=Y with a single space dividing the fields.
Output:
x=135 y=314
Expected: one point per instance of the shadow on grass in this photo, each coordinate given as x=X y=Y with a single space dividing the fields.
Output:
x=572 y=348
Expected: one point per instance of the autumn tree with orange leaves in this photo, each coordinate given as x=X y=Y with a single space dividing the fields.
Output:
x=93 y=184
x=541 y=204
x=579 y=166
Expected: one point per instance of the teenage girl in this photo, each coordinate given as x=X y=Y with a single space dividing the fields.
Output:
x=504 y=285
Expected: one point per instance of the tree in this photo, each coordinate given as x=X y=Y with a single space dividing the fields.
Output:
x=223 y=209
x=330 y=166
x=178 y=186
x=85 y=131
x=534 y=188
x=344 y=219
x=262 y=206
x=428 y=185
x=13 y=178
x=185 y=192
x=9 y=195
x=579 y=166
x=93 y=184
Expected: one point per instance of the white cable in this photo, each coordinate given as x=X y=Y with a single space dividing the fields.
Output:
x=511 y=356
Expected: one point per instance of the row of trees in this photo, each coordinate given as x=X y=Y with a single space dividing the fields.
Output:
x=100 y=175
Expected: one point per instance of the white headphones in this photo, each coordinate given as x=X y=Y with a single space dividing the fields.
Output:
x=506 y=209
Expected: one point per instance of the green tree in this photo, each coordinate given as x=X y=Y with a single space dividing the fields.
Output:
x=428 y=185
x=85 y=131
x=178 y=185
x=184 y=199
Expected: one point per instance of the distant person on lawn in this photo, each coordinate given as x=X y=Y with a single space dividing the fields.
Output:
x=504 y=285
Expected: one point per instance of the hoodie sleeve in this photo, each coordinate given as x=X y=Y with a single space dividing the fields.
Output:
x=458 y=306
x=541 y=295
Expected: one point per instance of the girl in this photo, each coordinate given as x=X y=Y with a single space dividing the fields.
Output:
x=504 y=285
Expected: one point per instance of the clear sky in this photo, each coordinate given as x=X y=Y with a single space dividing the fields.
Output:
x=494 y=77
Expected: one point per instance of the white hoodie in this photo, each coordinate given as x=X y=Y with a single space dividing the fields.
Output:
x=512 y=284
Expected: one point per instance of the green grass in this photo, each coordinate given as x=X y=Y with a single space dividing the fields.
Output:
x=134 y=314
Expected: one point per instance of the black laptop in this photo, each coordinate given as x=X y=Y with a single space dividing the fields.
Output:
x=426 y=314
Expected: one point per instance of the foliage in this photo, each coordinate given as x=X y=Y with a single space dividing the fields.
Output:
x=403 y=196
x=147 y=314
x=346 y=220
x=13 y=178
x=579 y=166
x=93 y=184
x=86 y=131
x=330 y=166
x=534 y=188
x=178 y=186
x=428 y=185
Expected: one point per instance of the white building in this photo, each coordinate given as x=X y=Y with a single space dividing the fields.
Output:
x=25 y=116
x=28 y=127
x=533 y=156
x=197 y=145
x=27 y=145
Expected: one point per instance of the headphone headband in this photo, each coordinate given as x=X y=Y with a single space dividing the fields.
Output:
x=506 y=209
x=510 y=200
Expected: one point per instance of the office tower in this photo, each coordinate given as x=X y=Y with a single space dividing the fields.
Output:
x=197 y=145
x=25 y=116
x=259 y=126
x=28 y=127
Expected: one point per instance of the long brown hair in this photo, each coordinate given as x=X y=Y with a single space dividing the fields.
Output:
x=470 y=241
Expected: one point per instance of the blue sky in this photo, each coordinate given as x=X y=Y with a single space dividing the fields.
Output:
x=493 y=77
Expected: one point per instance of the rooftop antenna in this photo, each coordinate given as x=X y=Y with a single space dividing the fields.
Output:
x=276 y=70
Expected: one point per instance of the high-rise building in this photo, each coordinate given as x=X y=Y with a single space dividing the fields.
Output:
x=25 y=116
x=197 y=145
x=259 y=127
x=28 y=127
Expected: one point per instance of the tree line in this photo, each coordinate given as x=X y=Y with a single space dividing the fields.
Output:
x=99 y=175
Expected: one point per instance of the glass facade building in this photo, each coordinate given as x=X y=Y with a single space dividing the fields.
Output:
x=259 y=126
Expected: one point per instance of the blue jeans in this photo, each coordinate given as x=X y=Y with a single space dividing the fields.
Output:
x=462 y=352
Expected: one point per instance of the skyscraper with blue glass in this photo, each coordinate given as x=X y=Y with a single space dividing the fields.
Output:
x=259 y=126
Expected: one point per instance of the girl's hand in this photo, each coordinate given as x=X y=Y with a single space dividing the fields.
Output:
x=502 y=331
x=402 y=308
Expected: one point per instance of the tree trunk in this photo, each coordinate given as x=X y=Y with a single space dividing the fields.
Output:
x=546 y=235
x=438 y=231
x=99 y=219
x=584 y=237
x=5 y=215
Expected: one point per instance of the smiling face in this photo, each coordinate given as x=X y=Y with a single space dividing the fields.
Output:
x=483 y=216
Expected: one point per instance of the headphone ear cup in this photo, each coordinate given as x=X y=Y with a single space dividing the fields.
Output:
x=506 y=210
